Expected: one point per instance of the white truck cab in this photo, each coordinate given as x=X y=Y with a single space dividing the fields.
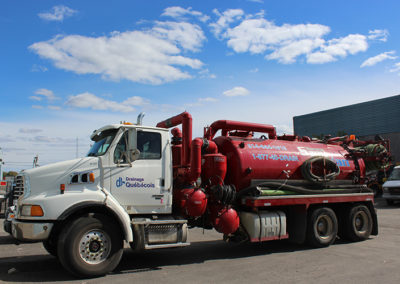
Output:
x=127 y=173
x=128 y=163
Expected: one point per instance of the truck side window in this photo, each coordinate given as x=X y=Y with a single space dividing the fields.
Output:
x=120 y=150
x=149 y=145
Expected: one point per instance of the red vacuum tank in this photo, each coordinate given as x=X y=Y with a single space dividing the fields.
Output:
x=251 y=160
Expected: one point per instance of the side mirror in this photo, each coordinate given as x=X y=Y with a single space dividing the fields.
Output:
x=134 y=155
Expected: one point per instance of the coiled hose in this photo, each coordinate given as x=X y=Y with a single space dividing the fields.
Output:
x=328 y=166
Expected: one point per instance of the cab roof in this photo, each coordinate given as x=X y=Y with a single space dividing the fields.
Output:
x=117 y=126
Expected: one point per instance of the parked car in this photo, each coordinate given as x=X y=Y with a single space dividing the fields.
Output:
x=391 y=188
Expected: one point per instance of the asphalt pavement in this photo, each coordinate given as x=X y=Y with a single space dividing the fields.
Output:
x=210 y=260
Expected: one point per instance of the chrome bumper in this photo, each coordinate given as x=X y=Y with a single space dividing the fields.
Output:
x=28 y=231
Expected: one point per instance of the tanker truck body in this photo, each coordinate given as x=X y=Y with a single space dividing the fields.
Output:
x=145 y=187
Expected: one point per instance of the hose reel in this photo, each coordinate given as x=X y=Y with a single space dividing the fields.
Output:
x=319 y=170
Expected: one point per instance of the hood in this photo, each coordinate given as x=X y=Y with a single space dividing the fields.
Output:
x=48 y=178
x=392 y=183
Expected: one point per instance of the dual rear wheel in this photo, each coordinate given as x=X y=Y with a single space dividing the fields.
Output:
x=322 y=225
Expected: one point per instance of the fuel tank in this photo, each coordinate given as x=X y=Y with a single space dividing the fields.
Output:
x=251 y=160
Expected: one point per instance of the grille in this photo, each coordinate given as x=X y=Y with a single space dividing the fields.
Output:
x=19 y=187
x=394 y=191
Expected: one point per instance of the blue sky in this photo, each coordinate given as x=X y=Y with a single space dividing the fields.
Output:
x=69 y=67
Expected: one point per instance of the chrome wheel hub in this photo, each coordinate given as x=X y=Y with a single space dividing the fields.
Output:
x=94 y=246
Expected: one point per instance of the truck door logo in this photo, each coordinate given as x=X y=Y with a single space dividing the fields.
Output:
x=119 y=182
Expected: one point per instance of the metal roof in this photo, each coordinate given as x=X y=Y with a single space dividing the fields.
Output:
x=368 y=118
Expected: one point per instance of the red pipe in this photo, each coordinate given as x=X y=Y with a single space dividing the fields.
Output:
x=195 y=161
x=227 y=125
x=186 y=120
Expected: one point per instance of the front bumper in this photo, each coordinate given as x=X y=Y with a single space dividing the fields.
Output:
x=390 y=196
x=29 y=231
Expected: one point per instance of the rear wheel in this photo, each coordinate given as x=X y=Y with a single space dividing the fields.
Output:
x=358 y=224
x=90 y=246
x=322 y=227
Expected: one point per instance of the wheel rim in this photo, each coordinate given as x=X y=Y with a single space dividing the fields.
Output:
x=324 y=227
x=361 y=222
x=94 y=246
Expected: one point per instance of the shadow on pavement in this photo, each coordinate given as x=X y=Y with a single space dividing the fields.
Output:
x=45 y=268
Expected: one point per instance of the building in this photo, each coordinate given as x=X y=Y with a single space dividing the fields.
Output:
x=365 y=120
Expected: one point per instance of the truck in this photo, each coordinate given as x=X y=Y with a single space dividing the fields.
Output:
x=147 y=186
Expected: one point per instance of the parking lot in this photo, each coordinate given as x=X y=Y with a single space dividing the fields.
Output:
x=210 y=260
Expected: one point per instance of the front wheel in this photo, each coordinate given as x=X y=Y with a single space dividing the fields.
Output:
x=322 y=227
x=90 y=246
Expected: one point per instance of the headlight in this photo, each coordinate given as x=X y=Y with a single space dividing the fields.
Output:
x=385 y=189
x=31 y=211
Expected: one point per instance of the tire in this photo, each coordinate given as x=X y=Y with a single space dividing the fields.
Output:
x=90 y=246
x=50 y=247
x=389 y=202
x=358 y=224
x=322 y=227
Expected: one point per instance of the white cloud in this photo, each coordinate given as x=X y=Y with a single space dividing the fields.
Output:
x=237 y=91
x=57 y=13
x=380 y=35
x=136 y=101
x=35 y=98
x=396 y=68
x=256 y=1
x=255 y=70
x=46 y=93
x=258 y=35
x=320 y=57
x=205 y=73
x=289 y=52
x=30 y=130
x=180 y=13
x=224 y=20
x=378 y=58
x=208 y=100
x=151 y=56
x=287 y=42
x=54 y=107
x=338 y=47
x=91 y=101
x=187 y=35
x=38 y=68
x=37 y=107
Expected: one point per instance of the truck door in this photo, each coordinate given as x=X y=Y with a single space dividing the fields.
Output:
x=142 y=186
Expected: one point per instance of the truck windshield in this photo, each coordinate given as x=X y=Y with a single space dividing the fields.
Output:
x=395 y=175
x=102 y=142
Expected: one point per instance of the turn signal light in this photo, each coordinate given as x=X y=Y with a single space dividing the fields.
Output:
x=62 y=188
x=352 y=137
x=91 y=177
x=32 y=210
x=36 y=211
